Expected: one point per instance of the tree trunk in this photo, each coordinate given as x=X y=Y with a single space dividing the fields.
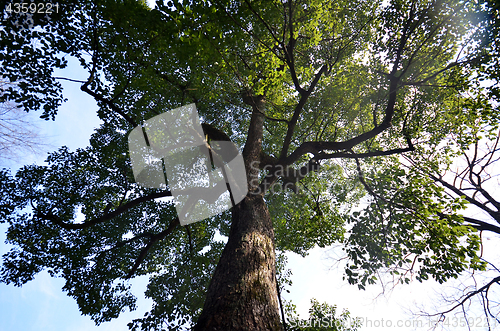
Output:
x=242 y=294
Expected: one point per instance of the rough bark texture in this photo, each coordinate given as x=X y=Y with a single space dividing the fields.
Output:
x=242 y=293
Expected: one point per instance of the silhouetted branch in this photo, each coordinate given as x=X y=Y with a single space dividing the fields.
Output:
x=481 y=225
x=190 y=239
x=70 y=79
x=324 y=156
x=484 y=288
x=96 y=96
x=152 y=241
x=76 y=226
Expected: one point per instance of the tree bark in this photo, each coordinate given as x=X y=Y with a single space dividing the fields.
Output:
x=242 y=294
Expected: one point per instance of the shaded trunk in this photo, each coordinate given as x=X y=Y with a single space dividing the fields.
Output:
x=242 y=294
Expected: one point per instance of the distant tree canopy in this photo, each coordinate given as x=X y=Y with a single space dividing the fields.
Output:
x=323 y=98
x=19 y=134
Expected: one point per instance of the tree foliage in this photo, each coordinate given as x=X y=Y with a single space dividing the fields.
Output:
x=348 y=87
x=322 y=317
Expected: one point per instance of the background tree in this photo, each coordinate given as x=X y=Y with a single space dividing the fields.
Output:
x=475 y=179
x=466 y=168
x=18 y=133
x=296 y=84
x=457 y=174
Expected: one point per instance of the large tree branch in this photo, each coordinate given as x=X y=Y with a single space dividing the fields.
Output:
x=123 y=243
x=315 y=147
x=259 y=17
x=108 y=103
x=324 y=156
x=481 y=225
x=275 y=166
x=457 y=191
x=298 y=110
x=419 y=47
x=292 y=176
x=484 y=288
x=250 y=33
x=152 y=241
x=98 y=97
x=437 y=73
x=289 y=50
x=267 y=161
x=106 y=217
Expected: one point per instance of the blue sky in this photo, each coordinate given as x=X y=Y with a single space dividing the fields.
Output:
x=41 y=304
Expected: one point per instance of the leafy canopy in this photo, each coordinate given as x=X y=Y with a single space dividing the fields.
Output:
x=347 y=84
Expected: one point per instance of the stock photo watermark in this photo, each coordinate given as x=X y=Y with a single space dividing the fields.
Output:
x=22 y=13
x=171 y=148
x=480 y=322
